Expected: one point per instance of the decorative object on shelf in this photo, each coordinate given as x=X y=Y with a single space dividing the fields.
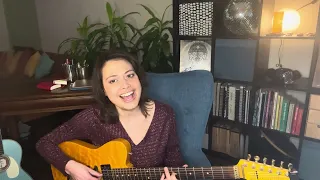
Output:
x=196 y=19
x=195 y=55
x=282 y=76
x=241 y=17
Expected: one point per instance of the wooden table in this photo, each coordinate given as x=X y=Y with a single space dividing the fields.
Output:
x=19 y=99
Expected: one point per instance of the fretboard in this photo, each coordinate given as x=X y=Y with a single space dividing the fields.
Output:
x=225 y=172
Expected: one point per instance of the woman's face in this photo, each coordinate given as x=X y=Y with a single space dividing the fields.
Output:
x=121 y=84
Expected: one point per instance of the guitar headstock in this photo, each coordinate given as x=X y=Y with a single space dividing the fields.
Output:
x=255 y=169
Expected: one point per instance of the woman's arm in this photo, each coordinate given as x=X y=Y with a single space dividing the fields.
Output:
x=75 y=128
x=173 y=156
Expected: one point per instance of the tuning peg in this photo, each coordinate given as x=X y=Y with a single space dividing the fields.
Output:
x=264 y=160
x=249 y=157
x=281 y=164
x=290 y=166
x=273 y=162
x=257 y=158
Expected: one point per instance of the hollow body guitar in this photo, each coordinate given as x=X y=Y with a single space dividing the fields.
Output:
x=112 y=160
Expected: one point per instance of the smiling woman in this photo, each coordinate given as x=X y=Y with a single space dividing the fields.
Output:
x=119 y=85
x=124 y=111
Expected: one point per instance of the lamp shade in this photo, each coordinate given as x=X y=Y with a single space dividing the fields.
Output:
x=285 y=21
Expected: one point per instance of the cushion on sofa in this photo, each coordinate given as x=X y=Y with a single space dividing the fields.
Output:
x=44 y=66
x=32 y=64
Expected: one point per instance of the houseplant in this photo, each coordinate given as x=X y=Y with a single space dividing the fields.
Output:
x=154 y=42
x=85 y=48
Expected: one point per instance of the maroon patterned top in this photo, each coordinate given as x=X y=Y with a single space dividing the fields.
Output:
x=159 y=147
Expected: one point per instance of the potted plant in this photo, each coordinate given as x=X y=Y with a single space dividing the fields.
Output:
x=83 y=50
x=154 y=42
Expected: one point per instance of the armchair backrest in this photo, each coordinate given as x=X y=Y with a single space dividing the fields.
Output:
x=190 y=94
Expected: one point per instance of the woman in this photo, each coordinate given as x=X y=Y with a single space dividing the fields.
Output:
x=123 y=111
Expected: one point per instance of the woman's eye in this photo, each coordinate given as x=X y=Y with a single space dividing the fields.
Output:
x=112 y=81
x=131 y=75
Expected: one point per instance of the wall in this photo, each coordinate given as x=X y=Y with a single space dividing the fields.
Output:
x=55 y=27
x=22 y=23
x=4 y=36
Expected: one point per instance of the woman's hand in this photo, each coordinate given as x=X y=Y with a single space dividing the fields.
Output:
x=79 y=171
x=167 y=176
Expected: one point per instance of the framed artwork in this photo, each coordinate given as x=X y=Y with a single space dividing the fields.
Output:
x=195 y=55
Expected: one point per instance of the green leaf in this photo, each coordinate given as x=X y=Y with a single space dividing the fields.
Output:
x=167 y=23
x=66 y=41
x=149 y=10
x=165 y=46
x=131 y=13
x=85 y=22
x=151 y=21
x=165 y=12
x=109 y=12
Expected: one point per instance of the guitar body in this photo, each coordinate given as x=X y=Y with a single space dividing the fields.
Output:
x=10 y=168
x=114 y=153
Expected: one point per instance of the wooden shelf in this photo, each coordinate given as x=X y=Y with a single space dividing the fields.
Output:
x=315 y=90
x=280 y=132
x=288 y=37
x=300 y=85
x=311 y=139
x=233 y=81
x=199 y=38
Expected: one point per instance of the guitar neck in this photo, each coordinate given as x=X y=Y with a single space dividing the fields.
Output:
x=225 y=172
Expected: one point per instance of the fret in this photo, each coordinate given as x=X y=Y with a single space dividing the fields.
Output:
x=155 y=174
x=144 y=170
x=149 y=171
x=202 y=173
x=194 y=173
x=179 y=173
x=185 y=169
x=212 y=173
x=137 y=173
x=222 y=172
x=160 y=171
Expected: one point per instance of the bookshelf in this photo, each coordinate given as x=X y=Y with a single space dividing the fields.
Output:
x=272 y=120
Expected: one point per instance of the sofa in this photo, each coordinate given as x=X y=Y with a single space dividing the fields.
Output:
x=27 y=65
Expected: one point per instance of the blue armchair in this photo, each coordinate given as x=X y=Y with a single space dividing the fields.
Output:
x=190 y=94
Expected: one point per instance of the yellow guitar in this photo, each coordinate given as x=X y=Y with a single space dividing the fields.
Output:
x=113 y=162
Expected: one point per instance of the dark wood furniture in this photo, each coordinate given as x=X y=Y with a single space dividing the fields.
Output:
x=18 y=100
x=267 y=50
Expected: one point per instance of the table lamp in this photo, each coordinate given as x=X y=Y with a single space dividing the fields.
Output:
x=285 y=21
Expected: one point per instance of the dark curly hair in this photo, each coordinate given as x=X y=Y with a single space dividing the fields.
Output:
x=108 y=111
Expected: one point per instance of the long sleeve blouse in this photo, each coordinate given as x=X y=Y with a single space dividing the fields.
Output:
x=159 y=148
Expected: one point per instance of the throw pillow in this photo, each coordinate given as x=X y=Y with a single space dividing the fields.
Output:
x=44 y=66
x=32 y=64
x=13 y=62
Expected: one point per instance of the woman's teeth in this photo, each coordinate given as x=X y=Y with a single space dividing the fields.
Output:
x=127 y=94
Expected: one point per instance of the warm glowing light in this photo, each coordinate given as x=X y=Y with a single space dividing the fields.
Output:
x=286 y=21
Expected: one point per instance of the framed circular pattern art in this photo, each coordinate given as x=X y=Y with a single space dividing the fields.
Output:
x=195 y=55
x=195 y=19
